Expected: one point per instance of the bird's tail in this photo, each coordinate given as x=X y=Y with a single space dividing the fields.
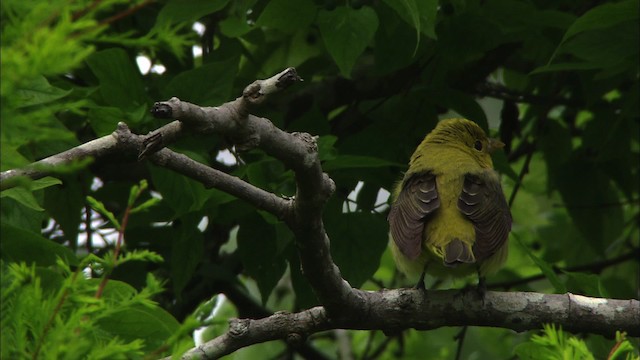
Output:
x=457 y=252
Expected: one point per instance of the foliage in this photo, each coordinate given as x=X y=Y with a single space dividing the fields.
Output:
x=554 y=344
x=556 y=81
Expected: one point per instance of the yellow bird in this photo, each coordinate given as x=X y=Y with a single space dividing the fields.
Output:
x=449 y=215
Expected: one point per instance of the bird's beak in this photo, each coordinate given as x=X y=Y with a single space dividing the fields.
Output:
x=495 y=144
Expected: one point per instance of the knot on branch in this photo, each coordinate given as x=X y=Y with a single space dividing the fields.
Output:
x=295 y=339
x=239 y=327
x=125 y=138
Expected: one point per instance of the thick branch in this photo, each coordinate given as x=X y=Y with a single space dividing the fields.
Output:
x=396 y=310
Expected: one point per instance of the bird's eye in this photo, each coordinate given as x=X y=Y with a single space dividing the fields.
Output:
x=478 y=145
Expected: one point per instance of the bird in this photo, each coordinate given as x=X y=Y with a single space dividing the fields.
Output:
x=449 y=216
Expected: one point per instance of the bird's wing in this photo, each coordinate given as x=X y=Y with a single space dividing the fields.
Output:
x=417 y=199
x=483 y=202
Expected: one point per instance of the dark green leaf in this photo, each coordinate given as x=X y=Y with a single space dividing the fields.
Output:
x=64 y=204
x=347 y=33
x=22 y=245
x=603 y=16
x=181 y=193
x=104 y=119
x=421 y=14
x=258 y=249
x=546 y=269
x=154 y=325
x=585 y=284
x=287 y=15
x=187 y=251
x=120 y=82
x=178 y=11
x=356 y=161
x=209 y=84
x=357 y=243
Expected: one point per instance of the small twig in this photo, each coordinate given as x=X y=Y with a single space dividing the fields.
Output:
x=130 y=11
x=116 y=252
x=596 y=267
x=460 y=338
x=523 y=172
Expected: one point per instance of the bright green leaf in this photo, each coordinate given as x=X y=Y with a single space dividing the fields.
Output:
x=100 y=208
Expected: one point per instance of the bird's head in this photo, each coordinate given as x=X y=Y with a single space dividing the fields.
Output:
x=467 y=136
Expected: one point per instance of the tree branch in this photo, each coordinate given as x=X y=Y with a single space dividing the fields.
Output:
x=400 y=309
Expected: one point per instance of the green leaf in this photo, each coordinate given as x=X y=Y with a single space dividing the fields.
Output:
x=209 y=84
x=18 y=215
x=598 y=222
x=347 y=32
x=546 y=269
x=120 y=81
x=145 y=205
x=23 y=196
x=178 y=11
x=152 y=324
x=421 y=14
x=586 y=284
x=357 y=161
x=38 y=91
x=565 y=67
x=287 y=16
x=64 y=204
x=45 y=182
x=258 y=249
x=305 y=297
x=357 y=243
x=100 y=208
x=104 y=119
x=181 y=193
x=603 y=16
x=187 y=248
x=235 y=26
x=391 y=54
x=22 y=245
